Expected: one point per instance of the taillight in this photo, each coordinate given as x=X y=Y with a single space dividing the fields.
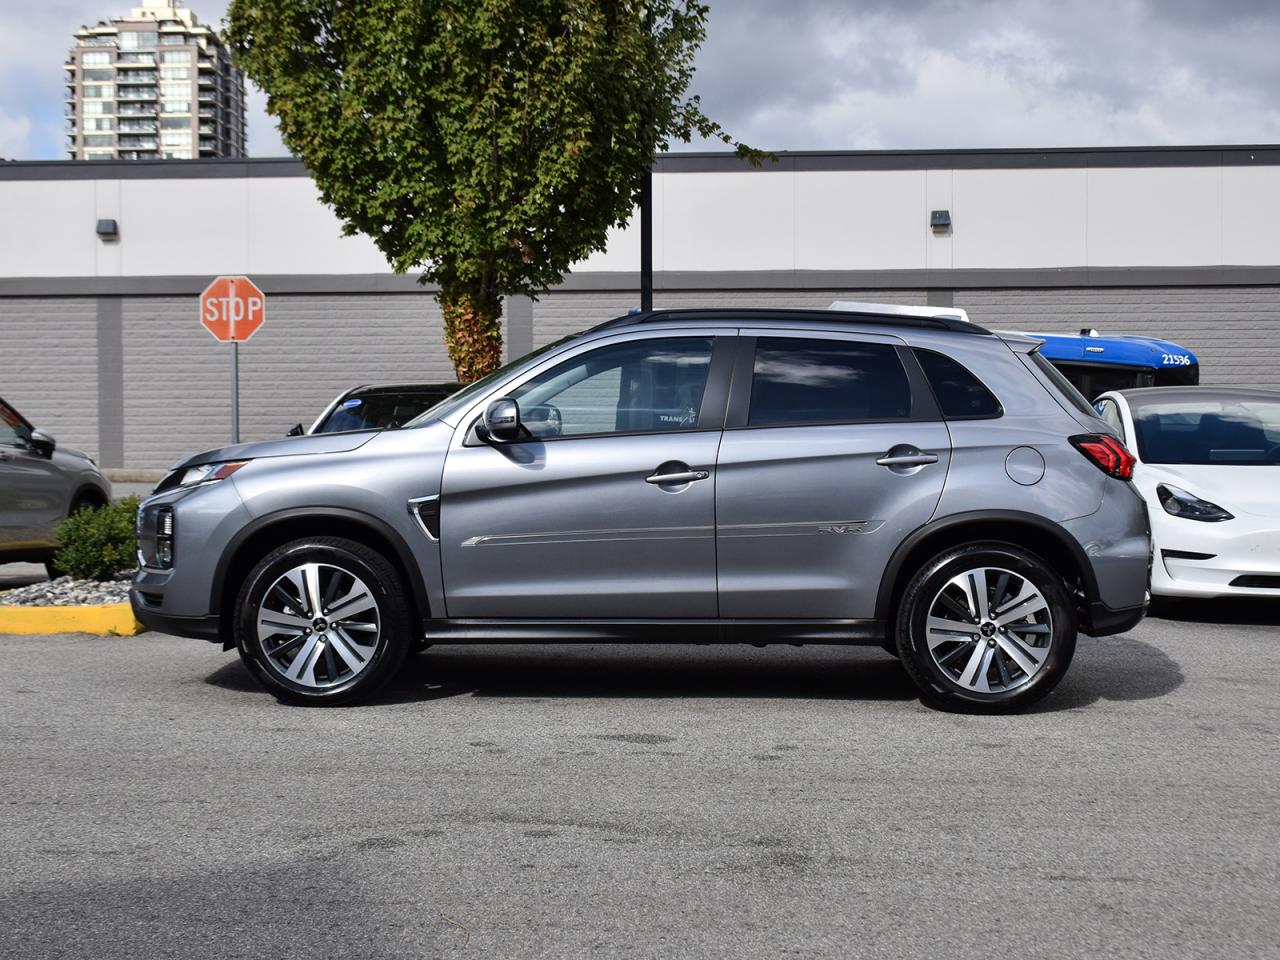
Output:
x=1107 y=453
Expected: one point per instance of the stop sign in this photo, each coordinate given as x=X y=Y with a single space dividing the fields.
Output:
x=232 y=308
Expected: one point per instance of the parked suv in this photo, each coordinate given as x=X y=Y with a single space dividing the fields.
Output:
x=876 y=474
x=40 y=484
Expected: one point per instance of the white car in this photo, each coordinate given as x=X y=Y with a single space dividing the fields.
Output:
x=1209 y=469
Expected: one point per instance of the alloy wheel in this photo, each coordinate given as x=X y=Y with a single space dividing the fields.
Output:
x=989 y=630
x=318 y=625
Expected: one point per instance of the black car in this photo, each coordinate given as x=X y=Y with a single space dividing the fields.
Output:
x=371 y=407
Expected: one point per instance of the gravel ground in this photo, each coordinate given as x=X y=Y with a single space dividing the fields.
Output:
x=642 y=802
x=68 y=591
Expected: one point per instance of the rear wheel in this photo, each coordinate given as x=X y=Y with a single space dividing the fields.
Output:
x=322 y=620
x=986 y=628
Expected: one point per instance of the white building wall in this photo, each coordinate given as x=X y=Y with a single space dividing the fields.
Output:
x=727 y=221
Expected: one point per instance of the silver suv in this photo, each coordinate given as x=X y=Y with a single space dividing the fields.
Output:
x=871 y=475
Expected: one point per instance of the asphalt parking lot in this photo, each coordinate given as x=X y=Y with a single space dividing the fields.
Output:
x=643 y=802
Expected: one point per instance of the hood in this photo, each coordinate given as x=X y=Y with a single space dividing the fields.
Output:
x=284 y=447
x=73 y=452
x=1242 y=490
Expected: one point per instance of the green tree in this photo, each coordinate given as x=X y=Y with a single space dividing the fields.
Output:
x=488 y=144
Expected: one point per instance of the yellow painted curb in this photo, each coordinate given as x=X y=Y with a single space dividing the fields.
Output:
x=104 y=619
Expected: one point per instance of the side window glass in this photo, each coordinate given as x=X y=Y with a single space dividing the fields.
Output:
x=799 y=380
x=13 y=432
x=961 y=395
x=644 y=386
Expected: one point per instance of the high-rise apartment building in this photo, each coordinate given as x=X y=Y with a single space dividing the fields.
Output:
x=155 y=84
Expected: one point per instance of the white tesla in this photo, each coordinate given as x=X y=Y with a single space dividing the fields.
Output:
x=1209 y=470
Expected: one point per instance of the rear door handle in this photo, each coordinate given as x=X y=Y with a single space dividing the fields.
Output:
x=917 y=459
x=686 y=476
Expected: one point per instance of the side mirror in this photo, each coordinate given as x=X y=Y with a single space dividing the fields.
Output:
x=296 y=430
x=43 y=444
x=502 y=420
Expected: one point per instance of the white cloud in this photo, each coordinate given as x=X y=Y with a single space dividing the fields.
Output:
x=15 y=133
x=832 y=74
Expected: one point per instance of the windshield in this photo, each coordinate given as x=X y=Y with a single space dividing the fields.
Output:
x=380 y=411
x=1236 y=432
x=464 y=396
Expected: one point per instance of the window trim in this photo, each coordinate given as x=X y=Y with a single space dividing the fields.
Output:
x=711 y=413
x=915 y=360
x=924 y=407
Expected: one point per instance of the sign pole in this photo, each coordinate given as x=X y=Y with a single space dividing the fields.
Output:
x=235 y=391
x=235 y=367
x=232 y=309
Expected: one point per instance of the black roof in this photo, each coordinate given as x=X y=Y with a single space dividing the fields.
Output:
x=369 y=389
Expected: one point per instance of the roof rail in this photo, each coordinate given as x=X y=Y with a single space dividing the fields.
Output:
x=898 y=310
x=937 y=318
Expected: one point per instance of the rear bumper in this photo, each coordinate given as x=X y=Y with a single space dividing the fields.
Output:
x=200 y=628
x=1103 y=621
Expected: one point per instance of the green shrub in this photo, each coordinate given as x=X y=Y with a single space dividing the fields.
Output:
x=98 y=544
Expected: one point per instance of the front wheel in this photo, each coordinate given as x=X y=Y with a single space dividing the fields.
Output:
x=986 y=628
x=322 y=620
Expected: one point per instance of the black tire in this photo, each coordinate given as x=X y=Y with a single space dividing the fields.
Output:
x=938 y=686
x=393 y=638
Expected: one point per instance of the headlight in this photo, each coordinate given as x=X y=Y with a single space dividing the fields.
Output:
x=1177 y=502
x=209 y=472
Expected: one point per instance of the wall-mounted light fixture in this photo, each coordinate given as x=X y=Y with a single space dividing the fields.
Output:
x=108 y=230
x=940 y=220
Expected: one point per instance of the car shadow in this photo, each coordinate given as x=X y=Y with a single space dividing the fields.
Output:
x=641 y=671
x=1112 y=668
x=1238 y=611
x=1119 y=668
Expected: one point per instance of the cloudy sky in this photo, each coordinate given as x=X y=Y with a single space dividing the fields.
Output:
x=869 y=74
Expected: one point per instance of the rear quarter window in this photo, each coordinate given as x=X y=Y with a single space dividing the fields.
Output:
x=960 y=394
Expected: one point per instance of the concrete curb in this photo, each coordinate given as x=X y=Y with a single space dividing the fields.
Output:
x=127 y=475
x=103 y=619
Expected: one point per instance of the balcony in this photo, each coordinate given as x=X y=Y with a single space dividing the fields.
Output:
x=145 y=57
x=208 y=143
x=137 y=143
x=137 y=126
x=136 y=76
x=136 y=110
x=138 y=93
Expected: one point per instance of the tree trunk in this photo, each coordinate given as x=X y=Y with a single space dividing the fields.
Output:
x=472 y=333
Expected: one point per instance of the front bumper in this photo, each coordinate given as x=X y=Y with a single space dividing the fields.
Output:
x=200 y=628
x=1235 y=558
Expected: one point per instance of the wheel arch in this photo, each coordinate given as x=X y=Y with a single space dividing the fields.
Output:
x=1042 y=537
x=88 y=493
x=270 y=531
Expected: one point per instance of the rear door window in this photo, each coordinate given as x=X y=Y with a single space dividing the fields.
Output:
x=804 y=381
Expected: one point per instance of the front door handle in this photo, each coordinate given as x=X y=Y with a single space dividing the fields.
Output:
x=916 y=458
x=685 y=476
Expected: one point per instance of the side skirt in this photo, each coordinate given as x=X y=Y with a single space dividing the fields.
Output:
x=859 y=632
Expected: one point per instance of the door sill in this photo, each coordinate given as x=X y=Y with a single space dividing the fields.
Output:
x=868 y=632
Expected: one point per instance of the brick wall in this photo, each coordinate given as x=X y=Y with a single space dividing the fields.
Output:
x=1234 y=331
x=49 y=366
